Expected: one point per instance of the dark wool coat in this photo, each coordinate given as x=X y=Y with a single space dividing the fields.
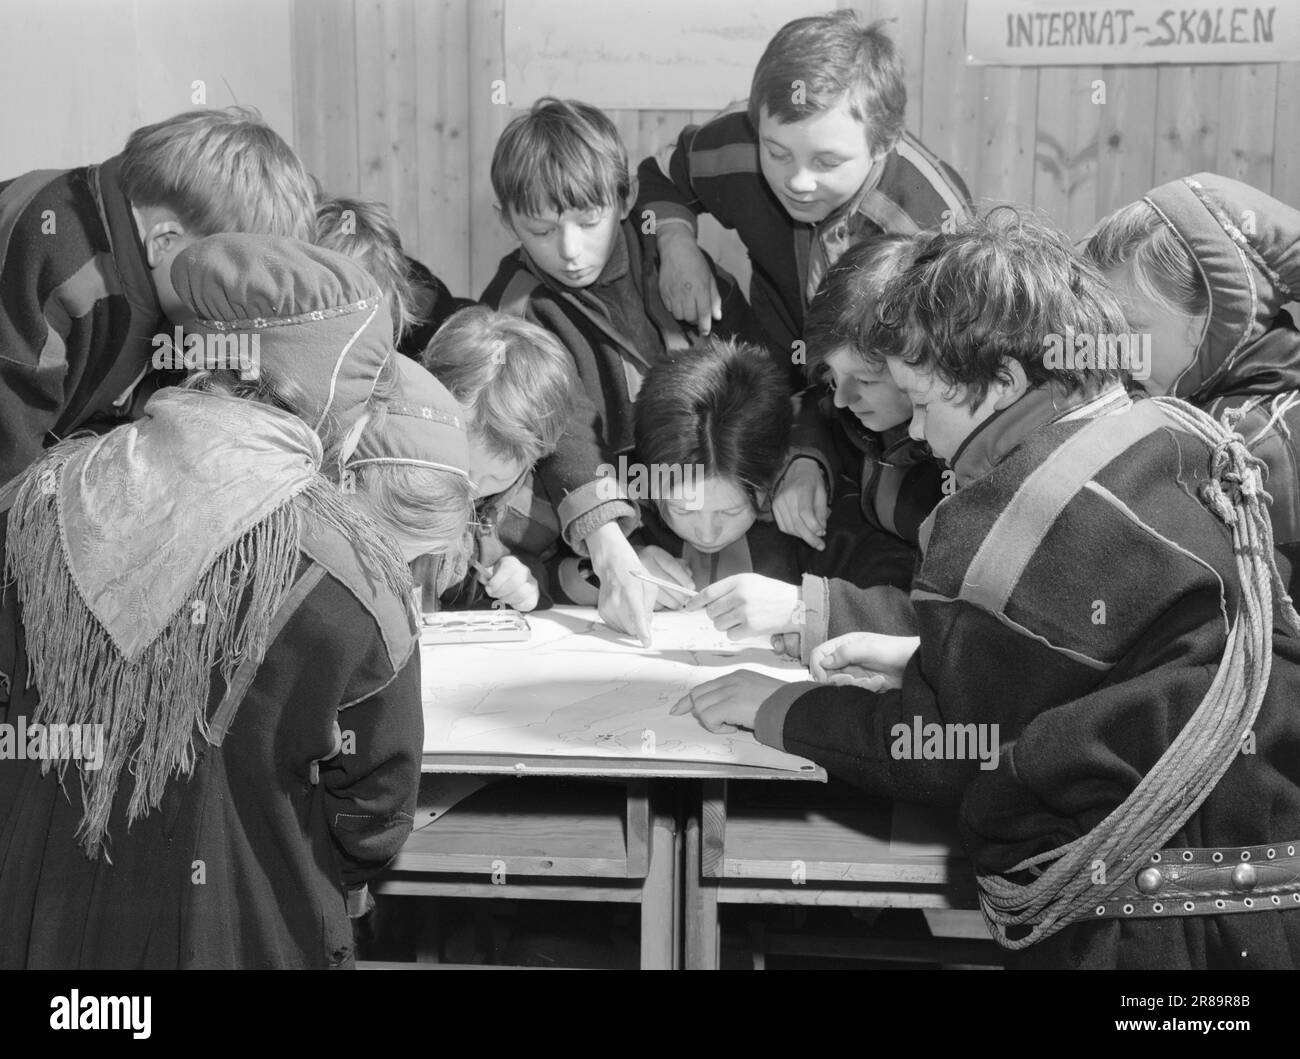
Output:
x=1085 y=707
x=247 y=861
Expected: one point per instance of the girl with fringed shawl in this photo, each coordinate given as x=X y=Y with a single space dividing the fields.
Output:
x=1204 y=265
x=237 y=626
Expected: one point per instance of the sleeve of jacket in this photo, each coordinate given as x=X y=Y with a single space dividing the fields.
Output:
x=665 y=187
x=585 y=498
x=370 y=786
x=850 y=732
x=970 y=668
x=580 y=479
x=834 y=607
x=34 y=355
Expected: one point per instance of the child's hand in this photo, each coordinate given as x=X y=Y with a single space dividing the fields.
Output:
x=747 y=605
x=863 y=656
x=788 y=645
x=513 y=584
x=799 y=505
x=728 y=702
x=660 y=564
x=686 y=281
x=625 y=603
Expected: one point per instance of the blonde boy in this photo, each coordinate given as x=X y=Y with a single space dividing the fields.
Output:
x=86 y=254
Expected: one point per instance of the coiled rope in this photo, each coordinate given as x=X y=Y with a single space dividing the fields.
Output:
x=1063 y=890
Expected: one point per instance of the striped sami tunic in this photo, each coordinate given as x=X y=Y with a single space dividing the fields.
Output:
x=77 y=306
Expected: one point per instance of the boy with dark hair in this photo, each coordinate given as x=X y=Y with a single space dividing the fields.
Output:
x=1101 y=682
x=851 y=438
x=818 y=162
x=712 y=424
x=85 y=259
x=563 y=188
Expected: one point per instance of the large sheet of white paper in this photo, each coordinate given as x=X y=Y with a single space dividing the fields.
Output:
x=579 y=689
x=666 y=55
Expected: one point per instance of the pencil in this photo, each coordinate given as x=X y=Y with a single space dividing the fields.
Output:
x=661 y=583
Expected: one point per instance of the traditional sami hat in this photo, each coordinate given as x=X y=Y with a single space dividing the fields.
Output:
x=1246 y=245
x=318 y=316
x=423 y=426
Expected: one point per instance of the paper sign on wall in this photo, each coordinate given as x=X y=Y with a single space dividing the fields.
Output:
x=1084 y=32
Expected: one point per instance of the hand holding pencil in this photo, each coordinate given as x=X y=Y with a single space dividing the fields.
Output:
x=668 y=574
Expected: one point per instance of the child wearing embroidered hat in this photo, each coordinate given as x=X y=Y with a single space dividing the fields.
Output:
x=315 y=319
x=407 y=459
x=1204 y=267
x=232 y=635
x=326 y=353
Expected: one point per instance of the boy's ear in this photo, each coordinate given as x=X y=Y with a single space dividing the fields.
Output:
x=159 y=237
x=1011 y=383
x=503 y=215
x=632 y=189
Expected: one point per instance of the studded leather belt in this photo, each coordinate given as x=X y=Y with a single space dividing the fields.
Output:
x=1210 y=882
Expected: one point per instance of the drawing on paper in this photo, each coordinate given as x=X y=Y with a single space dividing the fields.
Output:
x=579 y=689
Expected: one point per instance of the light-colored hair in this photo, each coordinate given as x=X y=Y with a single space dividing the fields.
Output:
x=365 y=231
x=220 y=171
x=423 y=503
x=561 y=155
x=282 y=393
x=812 y=63
x=1162 y=266
x=515 y=380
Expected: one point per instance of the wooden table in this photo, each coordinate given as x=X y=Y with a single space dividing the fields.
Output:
x=669 y=835
x=618 y=838
x=750 y=844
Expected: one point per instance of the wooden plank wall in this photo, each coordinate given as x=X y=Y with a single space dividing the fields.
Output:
x=78 y=76
x=393 y=100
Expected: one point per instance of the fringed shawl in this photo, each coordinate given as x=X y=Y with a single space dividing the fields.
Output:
x=147 y=558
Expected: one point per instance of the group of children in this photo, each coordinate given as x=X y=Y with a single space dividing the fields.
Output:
x=966 y=472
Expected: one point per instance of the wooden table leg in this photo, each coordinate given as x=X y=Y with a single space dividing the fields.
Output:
x=701 y=891
x=659 y=902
